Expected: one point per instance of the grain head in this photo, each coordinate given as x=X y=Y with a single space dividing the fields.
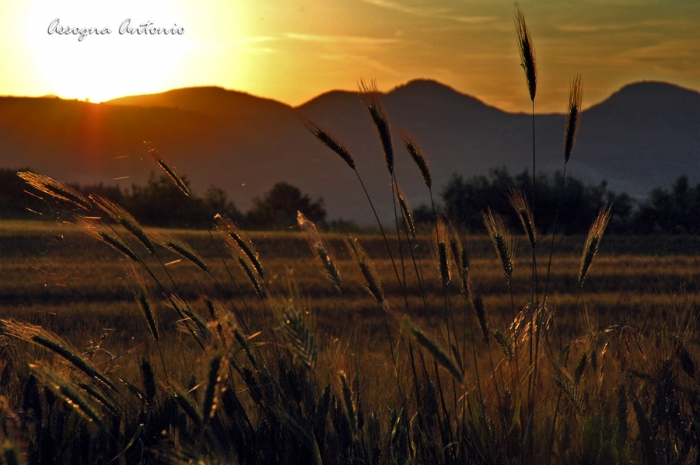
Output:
x=573 y=116
x=417 y=156
x=329 y=141
x=502 y=240
x=369 y=95
x=527 y=53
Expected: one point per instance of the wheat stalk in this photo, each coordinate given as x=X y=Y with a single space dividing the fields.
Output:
x=522 y=208
x=502 y=240
x=527 y=53
x=168 y=170
x=55 y=189
x=182 y=249
x=66 y=392
x=182 y=309
x=124 y=218
x=595 y=234
x=418 y=157
x=329 y=141
x=440 y=355
x=149 y=379
x=480 y=311
x=321 y=250
x=213 y=386
x=237 y=240
x=95 y=230
x=252 y=277
x=505 y=343
x=144 y=303
x=300 y=334
x=45 y=338
x=347 y=400
x=369 y=95
x=243 y=342
x=185 y=402
x=406 y=212
x=373 y=285
x=573 y=117
x=442 y=254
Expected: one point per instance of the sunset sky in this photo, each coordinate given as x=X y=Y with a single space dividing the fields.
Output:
x=293 y=50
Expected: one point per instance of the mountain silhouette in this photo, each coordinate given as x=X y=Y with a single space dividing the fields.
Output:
x=643 y=136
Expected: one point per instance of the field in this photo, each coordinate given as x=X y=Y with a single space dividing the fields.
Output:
x=54 y=272
x=639 y=296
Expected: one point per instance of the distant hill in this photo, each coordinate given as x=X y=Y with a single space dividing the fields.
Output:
x=643 y=136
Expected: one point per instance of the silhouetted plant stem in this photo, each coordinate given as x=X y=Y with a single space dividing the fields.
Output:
x=554 y=232
x=381 y=229
x=394 y=195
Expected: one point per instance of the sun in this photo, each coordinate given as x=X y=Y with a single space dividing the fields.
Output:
x=92 y=49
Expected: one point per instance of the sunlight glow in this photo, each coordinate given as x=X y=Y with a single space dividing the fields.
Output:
x=98 y=65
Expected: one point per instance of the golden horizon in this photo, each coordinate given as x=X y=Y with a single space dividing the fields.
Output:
x=292 y=53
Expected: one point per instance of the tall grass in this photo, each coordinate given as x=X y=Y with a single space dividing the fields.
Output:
x=265 y=385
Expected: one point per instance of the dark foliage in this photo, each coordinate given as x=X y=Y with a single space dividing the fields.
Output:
x=278 y=208
x=673 y=211
x=160 y=203
x=465 y=199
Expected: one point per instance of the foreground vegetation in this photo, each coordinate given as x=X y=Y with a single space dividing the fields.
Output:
x=290 y=394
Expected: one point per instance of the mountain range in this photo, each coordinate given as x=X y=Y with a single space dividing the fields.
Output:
x=643 y=136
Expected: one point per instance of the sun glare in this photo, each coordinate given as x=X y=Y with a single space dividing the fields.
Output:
x=96 y=49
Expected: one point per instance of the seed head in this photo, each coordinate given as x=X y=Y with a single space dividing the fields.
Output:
x=168 y=170
x=595 y=234
x=370 y=99
x=573 y=117
x=55 y=189
x=522 y=208
x=527 y=53
x=418 y=157
x=329 y=141
x=406 y=212
x=373 y=285
x=502 y=241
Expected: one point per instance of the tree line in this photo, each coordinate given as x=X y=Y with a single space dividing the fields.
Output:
x=160 y=203
x=674 y=211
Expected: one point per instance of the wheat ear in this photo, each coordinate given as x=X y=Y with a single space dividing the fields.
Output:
x=595 y=234
x=406 y=211
x=369 y=95
x=573 y=116
x=168 y=170
x=321 y=250
x=527 y=53
x=43 y=337
x=213 y=386
x=480 y=311
x=440 y=355
x=373 y=285
x=124 y=218
x=418 y=157
x=329 y=141
x=182 y=249
x=55 y=189
x=237 y=240
x=522 y=208
x=442 y=253
x=502 y=240
x=68 y=393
